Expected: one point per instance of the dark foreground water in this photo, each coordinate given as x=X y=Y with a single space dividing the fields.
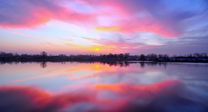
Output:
x=95 y=87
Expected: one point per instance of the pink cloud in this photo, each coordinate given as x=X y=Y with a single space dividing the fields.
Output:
x=24 y=14
x=124 y=16
x=133 y=21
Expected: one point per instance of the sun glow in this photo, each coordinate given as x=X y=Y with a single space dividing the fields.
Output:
x=97 y=49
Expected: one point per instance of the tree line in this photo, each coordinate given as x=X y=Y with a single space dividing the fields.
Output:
x=107 y=58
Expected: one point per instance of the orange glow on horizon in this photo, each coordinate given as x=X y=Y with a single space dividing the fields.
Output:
x=108 y=29
x=96 y=49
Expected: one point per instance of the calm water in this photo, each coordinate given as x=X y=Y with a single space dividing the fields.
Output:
x=95 y=87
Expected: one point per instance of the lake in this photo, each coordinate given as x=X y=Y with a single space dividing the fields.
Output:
x=97 y=87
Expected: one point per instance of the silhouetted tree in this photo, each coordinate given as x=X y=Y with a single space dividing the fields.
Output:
x=113 y=59
x=142 y=57
x=43 y=54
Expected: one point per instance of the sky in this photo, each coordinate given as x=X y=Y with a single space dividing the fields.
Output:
x=104 y=26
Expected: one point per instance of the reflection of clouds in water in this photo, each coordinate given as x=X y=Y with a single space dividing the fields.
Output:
x=158 y=97
x=97 y=87
x=133 y=74
x=150 y=77
x=138 y=77
x=57 y=76
x=26 y=99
